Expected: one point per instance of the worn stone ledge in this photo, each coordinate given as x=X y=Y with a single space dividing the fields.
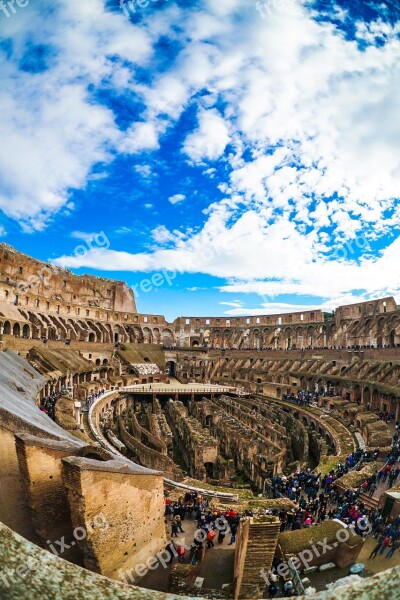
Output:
x=110 y=466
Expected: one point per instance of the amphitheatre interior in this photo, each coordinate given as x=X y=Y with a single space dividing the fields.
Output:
x=108 y=416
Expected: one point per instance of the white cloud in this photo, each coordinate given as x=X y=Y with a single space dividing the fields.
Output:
x=144 y=170
x=141 y=136
x=82 y=235
x=177 y=198
x=310 y=120
x=53 y=132
x=209 y=141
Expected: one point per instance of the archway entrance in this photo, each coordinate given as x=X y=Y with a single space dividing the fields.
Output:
x=171 y=368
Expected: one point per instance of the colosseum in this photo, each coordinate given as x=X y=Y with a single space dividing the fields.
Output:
x=241 y=457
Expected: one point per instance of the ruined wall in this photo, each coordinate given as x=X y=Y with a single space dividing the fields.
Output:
x=35 y=280
x=41 y=477
x=131 y=502
x=195 y=443
x=14 y=510
x=146 y=456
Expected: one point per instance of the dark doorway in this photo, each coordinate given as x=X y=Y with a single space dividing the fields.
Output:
x=171 y=368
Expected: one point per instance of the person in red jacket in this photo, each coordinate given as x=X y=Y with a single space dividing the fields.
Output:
x=180 y=550
x=210 y=538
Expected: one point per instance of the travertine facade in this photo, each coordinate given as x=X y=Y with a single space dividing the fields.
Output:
x=43 y=302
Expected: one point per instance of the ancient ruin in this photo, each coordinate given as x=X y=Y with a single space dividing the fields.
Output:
x=106 y=413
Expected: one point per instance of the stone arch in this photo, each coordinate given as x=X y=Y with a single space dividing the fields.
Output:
x=171 y=368
x=368 y=332
x=156 y=335
x=288 y=337
x=299 y=338
x=392 y=337
x=137 y=334
x=71 y=331
x=26 y=331
x=375 y=400
x=147 y=337
x=216 y=338
x=357 y=392
x=167 y=338
x=366 y=396
x=256 y=339
x=97 y=331
x=16 y=330
x=116 y=334
x=225 y=338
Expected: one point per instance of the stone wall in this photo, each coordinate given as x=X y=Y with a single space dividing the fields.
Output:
x=39 y=300
x=131 y=504
x=195 y=443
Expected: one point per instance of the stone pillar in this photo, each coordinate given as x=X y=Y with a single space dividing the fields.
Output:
x=40 y=467
x=121 y=507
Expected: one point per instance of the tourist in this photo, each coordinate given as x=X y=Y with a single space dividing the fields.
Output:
x=210 y=538
x=178 y=523
x=288 y=588
x=377 y=548
x=394 y=546
x=180 y=550
x=174 y=529
x=385 y=544
x=273 y=589
x=233 y=528
x=221 y=534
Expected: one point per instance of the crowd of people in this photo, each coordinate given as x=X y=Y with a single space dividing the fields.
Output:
x=213 y=526
x=317 y=498
x=354 y=347
x=92 y=397
x=302 y=397
x=48 y=403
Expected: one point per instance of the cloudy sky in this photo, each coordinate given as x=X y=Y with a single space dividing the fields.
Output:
x=253 y=151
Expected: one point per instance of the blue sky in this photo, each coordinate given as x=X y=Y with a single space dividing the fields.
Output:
x=253 y=151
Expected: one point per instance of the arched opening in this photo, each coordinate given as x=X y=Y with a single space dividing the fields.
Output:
x=156 y=335
x=7 y=328
x=167 y=338
x=147 y=337
x=26 y=331
x=171 y=368
x=367 y=397
x=16 y=330
x=209 y=466
x=195 y=343
x=92 y=337
x=375 y=400
x=357 y=393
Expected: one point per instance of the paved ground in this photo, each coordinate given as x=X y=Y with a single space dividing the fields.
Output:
x=216 y=568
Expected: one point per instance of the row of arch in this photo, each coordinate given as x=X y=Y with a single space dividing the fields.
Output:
x=55 y=328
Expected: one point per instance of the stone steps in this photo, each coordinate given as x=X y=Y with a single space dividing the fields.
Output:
x=260 y=551
x=369 y=502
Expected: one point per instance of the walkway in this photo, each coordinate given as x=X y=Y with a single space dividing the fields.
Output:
x=216 y=568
